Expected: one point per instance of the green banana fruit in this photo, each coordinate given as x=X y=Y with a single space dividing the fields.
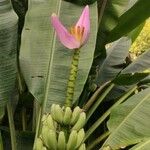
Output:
x=80 y=137
x=67 y=116
x=57 y=113
x=75 y=115
x=44 y=134
x=82 y=147
x=49 y=138
x=81 y=121
x=50 y=122
x=61 y=141
x=52 y=111
x=38 y=144
x=44 y=117
x=44 y=148
x=72 y=141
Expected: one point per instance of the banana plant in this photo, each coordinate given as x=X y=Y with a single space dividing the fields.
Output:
x=50 y=69
x=77 y=89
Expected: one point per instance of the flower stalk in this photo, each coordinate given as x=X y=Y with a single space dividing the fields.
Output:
x=72 y=78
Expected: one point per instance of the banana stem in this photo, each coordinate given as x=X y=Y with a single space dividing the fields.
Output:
x=12 y=127
x=38 y=127
x=36 y=108
x=94 y=96
x=72 y=78
x=98 y=140
x=97 y=103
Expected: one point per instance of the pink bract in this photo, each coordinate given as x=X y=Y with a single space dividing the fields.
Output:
x=78 y=35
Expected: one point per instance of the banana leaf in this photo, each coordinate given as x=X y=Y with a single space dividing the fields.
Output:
x=129 y=78
x=8 y=50
x=130 y=20
x=44 y=62
x=116 y=55
x=108 y=19
x=129 y=122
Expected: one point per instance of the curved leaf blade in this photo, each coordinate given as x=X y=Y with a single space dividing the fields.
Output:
x=129 y=122
x=109 y=13
x=140 y=64
x=134 y=16
x=117 y=53
x=129 y=79
x=8 y=50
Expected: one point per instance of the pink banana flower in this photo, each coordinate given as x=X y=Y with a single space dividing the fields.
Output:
x=78 y=34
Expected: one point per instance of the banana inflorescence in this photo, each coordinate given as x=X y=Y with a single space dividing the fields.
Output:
x=62 y=129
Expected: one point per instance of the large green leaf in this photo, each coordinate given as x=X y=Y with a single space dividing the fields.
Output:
x=8 y=44
x=130 y=19
x=129 y=122
x=114 y=9
x=45 y=63
x=116 y=55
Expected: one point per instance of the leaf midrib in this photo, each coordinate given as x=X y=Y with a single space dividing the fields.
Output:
x=48 y=77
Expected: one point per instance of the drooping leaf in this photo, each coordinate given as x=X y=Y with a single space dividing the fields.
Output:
x=129 y=122
x=129 y=79
x=130 y=19
x=132 y=74
x=116 y=55
x=140 y=64
x=8 y=50
x=45 y=63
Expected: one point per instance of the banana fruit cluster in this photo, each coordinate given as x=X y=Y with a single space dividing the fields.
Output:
x=62 y=129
